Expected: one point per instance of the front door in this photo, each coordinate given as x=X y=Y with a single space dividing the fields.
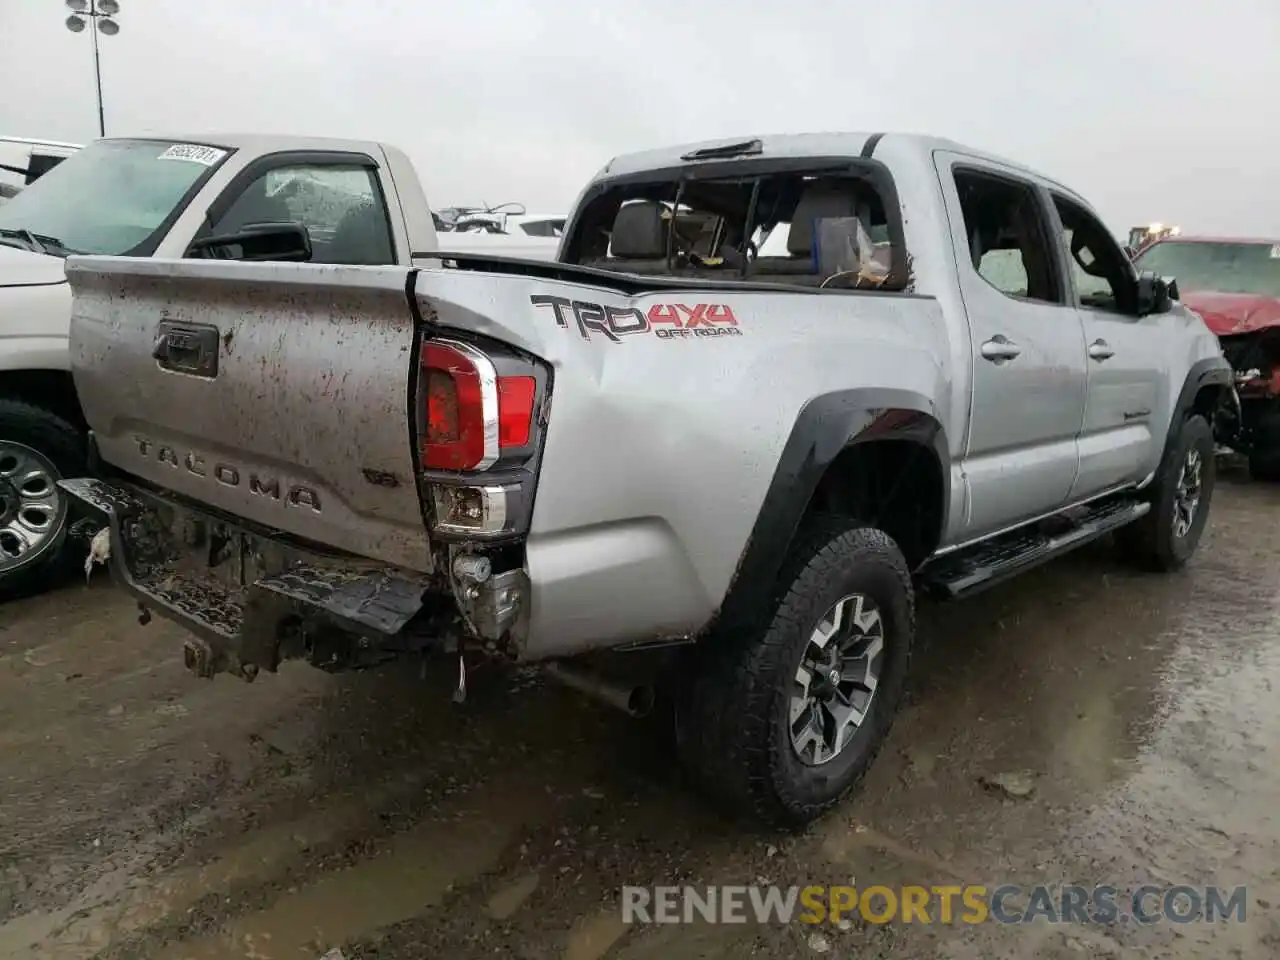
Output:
x=1028 y=366
x=1126 y=362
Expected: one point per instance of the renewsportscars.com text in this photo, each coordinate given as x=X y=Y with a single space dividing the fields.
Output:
x=971 y=904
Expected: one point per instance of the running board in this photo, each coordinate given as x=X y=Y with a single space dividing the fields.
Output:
x=986 y=564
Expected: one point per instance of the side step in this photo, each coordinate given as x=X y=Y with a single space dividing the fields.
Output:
x=986 y=564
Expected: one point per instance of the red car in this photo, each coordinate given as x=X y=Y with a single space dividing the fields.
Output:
x=1235 y=286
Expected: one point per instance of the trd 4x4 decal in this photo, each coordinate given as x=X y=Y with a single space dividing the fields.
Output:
x=667 y=321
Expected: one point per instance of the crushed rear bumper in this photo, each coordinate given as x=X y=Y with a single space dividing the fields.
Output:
x=251 y=600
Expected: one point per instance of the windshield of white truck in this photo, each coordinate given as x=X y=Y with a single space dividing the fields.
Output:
x=115 y=197
x=1220 y=266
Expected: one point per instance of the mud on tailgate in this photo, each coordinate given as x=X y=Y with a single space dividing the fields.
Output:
x=249 y=599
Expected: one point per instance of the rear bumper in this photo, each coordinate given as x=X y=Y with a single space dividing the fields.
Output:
x=249 y=600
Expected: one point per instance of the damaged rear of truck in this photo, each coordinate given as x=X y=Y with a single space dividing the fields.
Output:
x=340 y=463
x=262 y=433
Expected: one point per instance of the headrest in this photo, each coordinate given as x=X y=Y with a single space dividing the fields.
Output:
x=819 y=202
x=639 y=232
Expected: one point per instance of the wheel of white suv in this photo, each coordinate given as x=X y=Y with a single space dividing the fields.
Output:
x=1181 y=493
x=780 y=721
x=37 y=448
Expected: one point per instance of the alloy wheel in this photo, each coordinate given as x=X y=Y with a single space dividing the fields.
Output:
x=1186 y=498
x=32 y=509
x=836 y=682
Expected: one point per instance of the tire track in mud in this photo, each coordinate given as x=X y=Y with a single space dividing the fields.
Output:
x=122 y=906
x=400 y=878
x=453 y=859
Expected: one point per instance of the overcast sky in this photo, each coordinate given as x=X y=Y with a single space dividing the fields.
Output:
x=1155 y=109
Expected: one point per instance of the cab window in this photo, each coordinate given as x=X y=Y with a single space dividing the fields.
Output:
x=1100 y=271
x=1007 y=237
x=340 y=205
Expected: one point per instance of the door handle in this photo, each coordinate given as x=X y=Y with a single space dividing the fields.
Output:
x=999 y=349
x=186 y=348
x=1098 y=350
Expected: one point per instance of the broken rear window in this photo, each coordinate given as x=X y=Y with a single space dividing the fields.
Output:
x=818 y=228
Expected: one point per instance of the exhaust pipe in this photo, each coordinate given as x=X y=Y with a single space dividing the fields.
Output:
x=636 y=701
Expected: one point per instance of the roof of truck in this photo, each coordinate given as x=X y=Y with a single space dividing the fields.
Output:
x=801 y=145
x=32 y=142
x=259 y=142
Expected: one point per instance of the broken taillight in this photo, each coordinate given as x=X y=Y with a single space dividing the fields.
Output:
x=454 y=438
x=473 y=412
x=478 y=428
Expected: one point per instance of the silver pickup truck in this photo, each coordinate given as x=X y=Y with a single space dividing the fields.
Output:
x=686 y=431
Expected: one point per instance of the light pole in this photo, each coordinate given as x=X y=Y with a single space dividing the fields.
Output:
x=100 y=13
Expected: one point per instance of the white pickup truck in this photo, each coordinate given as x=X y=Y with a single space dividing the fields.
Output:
x=355 y=202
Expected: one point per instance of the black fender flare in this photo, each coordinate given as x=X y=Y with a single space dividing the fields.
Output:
x=1211 y=371
x=826 y=426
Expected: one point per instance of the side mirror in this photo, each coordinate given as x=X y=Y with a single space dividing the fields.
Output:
x=1155 y=294
x=269 y=242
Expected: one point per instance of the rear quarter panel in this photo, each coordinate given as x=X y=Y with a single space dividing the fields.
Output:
x=662 y=442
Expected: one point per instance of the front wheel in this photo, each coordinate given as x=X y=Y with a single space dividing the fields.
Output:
x=1168 y=535
x=782 y=720
x=37 y=448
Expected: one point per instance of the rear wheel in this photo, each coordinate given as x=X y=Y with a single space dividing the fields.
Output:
x=1168 y=535
x=781 y=720
x=37 y=448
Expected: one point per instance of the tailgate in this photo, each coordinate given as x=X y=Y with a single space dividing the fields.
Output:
x=275 y=392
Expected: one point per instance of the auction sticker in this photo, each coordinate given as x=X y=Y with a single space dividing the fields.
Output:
x=193 y=153
x=1275 y=252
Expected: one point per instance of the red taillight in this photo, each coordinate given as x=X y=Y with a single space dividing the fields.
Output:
x=455 y=418
x=472 y=413
x=442 y=408
x=515 y=410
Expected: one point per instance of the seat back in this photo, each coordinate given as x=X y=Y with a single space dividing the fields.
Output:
x=820 y=201
x=361 y=237
x=638 y=240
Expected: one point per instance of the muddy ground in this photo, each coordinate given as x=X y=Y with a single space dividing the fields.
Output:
x=146 y=814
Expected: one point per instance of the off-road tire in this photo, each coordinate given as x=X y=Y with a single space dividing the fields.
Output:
x=732 y=721
x=1150 y=542
x=64 y=446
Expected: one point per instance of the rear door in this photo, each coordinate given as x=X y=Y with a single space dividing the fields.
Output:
x=1028 y=362
x=275 y=392
x=1127 y=362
